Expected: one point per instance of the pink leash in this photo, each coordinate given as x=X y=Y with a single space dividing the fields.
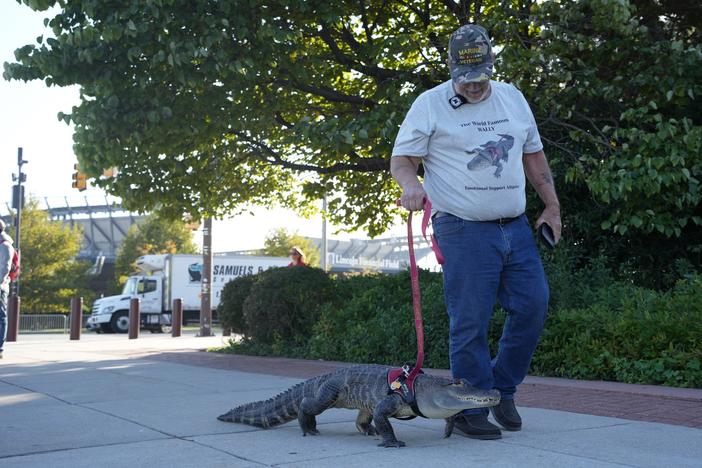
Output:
x=414 y=276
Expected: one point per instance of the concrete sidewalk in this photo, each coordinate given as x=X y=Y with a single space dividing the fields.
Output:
x=110 y=401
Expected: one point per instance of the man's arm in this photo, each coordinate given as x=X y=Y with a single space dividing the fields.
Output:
x=404 y=170
x=539 y=174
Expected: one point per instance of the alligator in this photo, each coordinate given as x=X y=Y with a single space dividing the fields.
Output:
x=364 y=387
x=491 y=153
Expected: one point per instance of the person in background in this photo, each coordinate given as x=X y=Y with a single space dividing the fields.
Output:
x=6 y=253
x=478 y=142
x=297 y=256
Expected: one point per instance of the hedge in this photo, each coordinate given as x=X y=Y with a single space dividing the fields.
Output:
x=231 y=309
x=598 y=327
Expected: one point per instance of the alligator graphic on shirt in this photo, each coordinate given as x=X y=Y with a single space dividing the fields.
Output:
x=492 y=153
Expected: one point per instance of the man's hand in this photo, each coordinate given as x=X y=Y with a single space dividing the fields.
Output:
x=551 y=216
x=413 y=197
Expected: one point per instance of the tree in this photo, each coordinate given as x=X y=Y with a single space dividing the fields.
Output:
x=155 y=236
x=616 y=85
x=50 y=274
x=207 y=106
x=279 y=241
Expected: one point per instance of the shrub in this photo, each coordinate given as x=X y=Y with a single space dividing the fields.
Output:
x=284 y=304
x=650 y=337
x=576 y=282
x=231 y=304
x=375 y=323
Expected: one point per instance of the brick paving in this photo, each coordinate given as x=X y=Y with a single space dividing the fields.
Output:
x=678 y=406
x=681 y=411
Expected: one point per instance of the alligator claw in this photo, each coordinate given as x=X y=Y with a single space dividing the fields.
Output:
x=368 y=431
x=391 y=443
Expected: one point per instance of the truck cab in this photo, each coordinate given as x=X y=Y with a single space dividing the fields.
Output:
x=149 y=291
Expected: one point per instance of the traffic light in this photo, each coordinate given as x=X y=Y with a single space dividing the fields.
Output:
x=79 y=180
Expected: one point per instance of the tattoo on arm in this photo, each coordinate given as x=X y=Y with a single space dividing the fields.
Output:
x=547 y=178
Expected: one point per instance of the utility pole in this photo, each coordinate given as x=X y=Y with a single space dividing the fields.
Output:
x=206 y=288
x=18 y=203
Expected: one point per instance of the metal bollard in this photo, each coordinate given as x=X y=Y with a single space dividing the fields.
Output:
x=76 y=317
x=177 y=317
x=13 y=315
x=134 y=322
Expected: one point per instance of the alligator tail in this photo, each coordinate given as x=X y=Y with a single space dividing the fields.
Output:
x=268 y=413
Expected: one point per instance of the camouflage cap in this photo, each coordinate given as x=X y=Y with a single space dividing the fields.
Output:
x=470 y=54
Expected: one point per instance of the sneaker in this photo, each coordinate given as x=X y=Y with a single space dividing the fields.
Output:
x=476 y=426
x=505 y=413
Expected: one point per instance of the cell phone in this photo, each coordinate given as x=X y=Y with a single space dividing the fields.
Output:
x=546 y=236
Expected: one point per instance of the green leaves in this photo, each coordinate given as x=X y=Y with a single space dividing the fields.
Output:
x=635 y=147
x=209 y=106
x=39 y=5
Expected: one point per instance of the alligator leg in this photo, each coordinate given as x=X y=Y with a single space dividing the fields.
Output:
x=498 y=171
x=308 y=422
x=312 y=406
x=363 y=423
x=386 y=408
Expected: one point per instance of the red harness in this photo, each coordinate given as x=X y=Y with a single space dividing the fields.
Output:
x=401 y=380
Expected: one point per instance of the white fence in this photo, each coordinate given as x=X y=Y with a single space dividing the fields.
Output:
x=42 y=323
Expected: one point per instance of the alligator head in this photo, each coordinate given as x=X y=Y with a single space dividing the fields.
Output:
x=438 y=397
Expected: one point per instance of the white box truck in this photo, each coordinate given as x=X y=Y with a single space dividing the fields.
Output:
x=163 y=278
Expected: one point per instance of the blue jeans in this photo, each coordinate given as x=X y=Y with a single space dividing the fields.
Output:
x=488 y=262
x=3 y=318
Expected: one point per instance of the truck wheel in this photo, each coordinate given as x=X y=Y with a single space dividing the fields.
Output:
x=120 y=322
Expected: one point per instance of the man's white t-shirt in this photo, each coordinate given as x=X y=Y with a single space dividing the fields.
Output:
x=472 y=154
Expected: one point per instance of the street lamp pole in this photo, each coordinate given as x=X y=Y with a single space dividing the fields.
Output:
x=206 y=278
x=323 y=262
x=18 y=202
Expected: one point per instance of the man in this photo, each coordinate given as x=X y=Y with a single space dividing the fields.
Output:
x=477 y=139
x=6 y=253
